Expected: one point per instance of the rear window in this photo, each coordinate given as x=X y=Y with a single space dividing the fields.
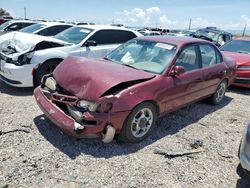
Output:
x=33 y=28
x=239 y=46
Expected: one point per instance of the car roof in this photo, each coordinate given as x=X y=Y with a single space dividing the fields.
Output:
x=97 y=27
x=179 y=41
x=22 y=21
x=53 y=23
x=214 y=29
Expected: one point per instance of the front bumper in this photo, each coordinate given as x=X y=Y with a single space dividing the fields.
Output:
x=18 y=76
x=67 y=124
x=245 y=149
x=242 y=78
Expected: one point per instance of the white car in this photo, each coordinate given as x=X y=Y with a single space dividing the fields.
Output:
x=46 y=28
x=27 y=58
x=14 y=25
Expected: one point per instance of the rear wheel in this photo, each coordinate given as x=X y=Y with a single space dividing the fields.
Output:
x=219 y=94
x=139 y=124
x=46 y=68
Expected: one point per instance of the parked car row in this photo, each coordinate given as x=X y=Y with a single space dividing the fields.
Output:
x=124 y=82
x=14 y=25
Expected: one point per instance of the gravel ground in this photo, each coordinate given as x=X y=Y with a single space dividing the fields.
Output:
x=37 y=154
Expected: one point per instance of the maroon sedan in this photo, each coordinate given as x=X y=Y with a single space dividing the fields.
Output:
x=239 y=49
x=127 y=91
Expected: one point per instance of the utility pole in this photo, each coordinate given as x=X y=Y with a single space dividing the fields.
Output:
x=189 y=26
x=24 y=12
x=244 y=30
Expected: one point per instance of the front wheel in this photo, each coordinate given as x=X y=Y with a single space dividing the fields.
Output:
x=46 y=68
x=139 y=123
x=219 y=94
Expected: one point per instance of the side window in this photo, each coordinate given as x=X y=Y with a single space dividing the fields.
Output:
x=123 y=36
x=26 y=25
x=112 y=36
x=188 y=59
x=51 y=31
x=13 y=27
x=208 y=55
x=218 y=57
x=228 y=38
x=221 y=39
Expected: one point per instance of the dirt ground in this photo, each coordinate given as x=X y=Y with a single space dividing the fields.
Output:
x=37 y=154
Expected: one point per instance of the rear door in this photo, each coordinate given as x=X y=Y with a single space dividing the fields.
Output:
x=186 y=87
x=106 y=40
x=213 y=69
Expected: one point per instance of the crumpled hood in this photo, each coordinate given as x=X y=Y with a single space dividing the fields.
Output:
x=240 y=58
x=90 y=78
x=23 y=41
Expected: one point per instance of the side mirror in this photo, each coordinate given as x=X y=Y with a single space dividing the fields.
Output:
x=90 y=43
x=177 y=70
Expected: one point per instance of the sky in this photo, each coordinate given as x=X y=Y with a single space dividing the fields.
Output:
x=225 y=14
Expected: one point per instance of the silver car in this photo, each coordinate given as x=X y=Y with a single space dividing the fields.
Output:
x=244 y=150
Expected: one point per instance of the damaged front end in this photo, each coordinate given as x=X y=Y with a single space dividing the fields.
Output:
x=77 y=117
x=18 y=48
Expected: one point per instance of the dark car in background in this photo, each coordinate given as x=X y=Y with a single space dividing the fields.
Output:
x=213 y=34
x=129 y=89
x=239 y=49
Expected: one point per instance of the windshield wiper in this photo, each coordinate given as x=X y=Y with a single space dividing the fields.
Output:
x=107 y=59
x=127 y=65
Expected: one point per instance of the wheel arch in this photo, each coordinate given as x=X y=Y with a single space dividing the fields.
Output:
x=37 y=67
x=157 y=107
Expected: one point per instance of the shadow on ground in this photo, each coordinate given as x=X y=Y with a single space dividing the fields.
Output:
x=239 y=90
x=168 y=125
x=244 y=181
x=15 y=91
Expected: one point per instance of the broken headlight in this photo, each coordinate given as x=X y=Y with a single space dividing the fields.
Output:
x=24 y=59
x=87 y=105
x=49 y=82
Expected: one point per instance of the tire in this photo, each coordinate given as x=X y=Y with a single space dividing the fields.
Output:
x=139 y=124
x=219 y=94
x=46 y=68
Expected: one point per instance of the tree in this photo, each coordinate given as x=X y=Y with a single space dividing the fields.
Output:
x=3 y=12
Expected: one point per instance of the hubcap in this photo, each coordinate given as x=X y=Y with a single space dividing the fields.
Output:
x=142 y=122
x=220 y=92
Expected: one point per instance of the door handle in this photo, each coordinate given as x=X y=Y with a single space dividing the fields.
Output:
x=198 y=79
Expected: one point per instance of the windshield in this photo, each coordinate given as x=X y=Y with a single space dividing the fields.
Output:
x=4 y=25
x=33 y=28
x=149 y=56
x=207 y=34
x=239 y=46
x=73 y=35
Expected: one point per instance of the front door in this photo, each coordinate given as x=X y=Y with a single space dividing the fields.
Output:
x=186 y=87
